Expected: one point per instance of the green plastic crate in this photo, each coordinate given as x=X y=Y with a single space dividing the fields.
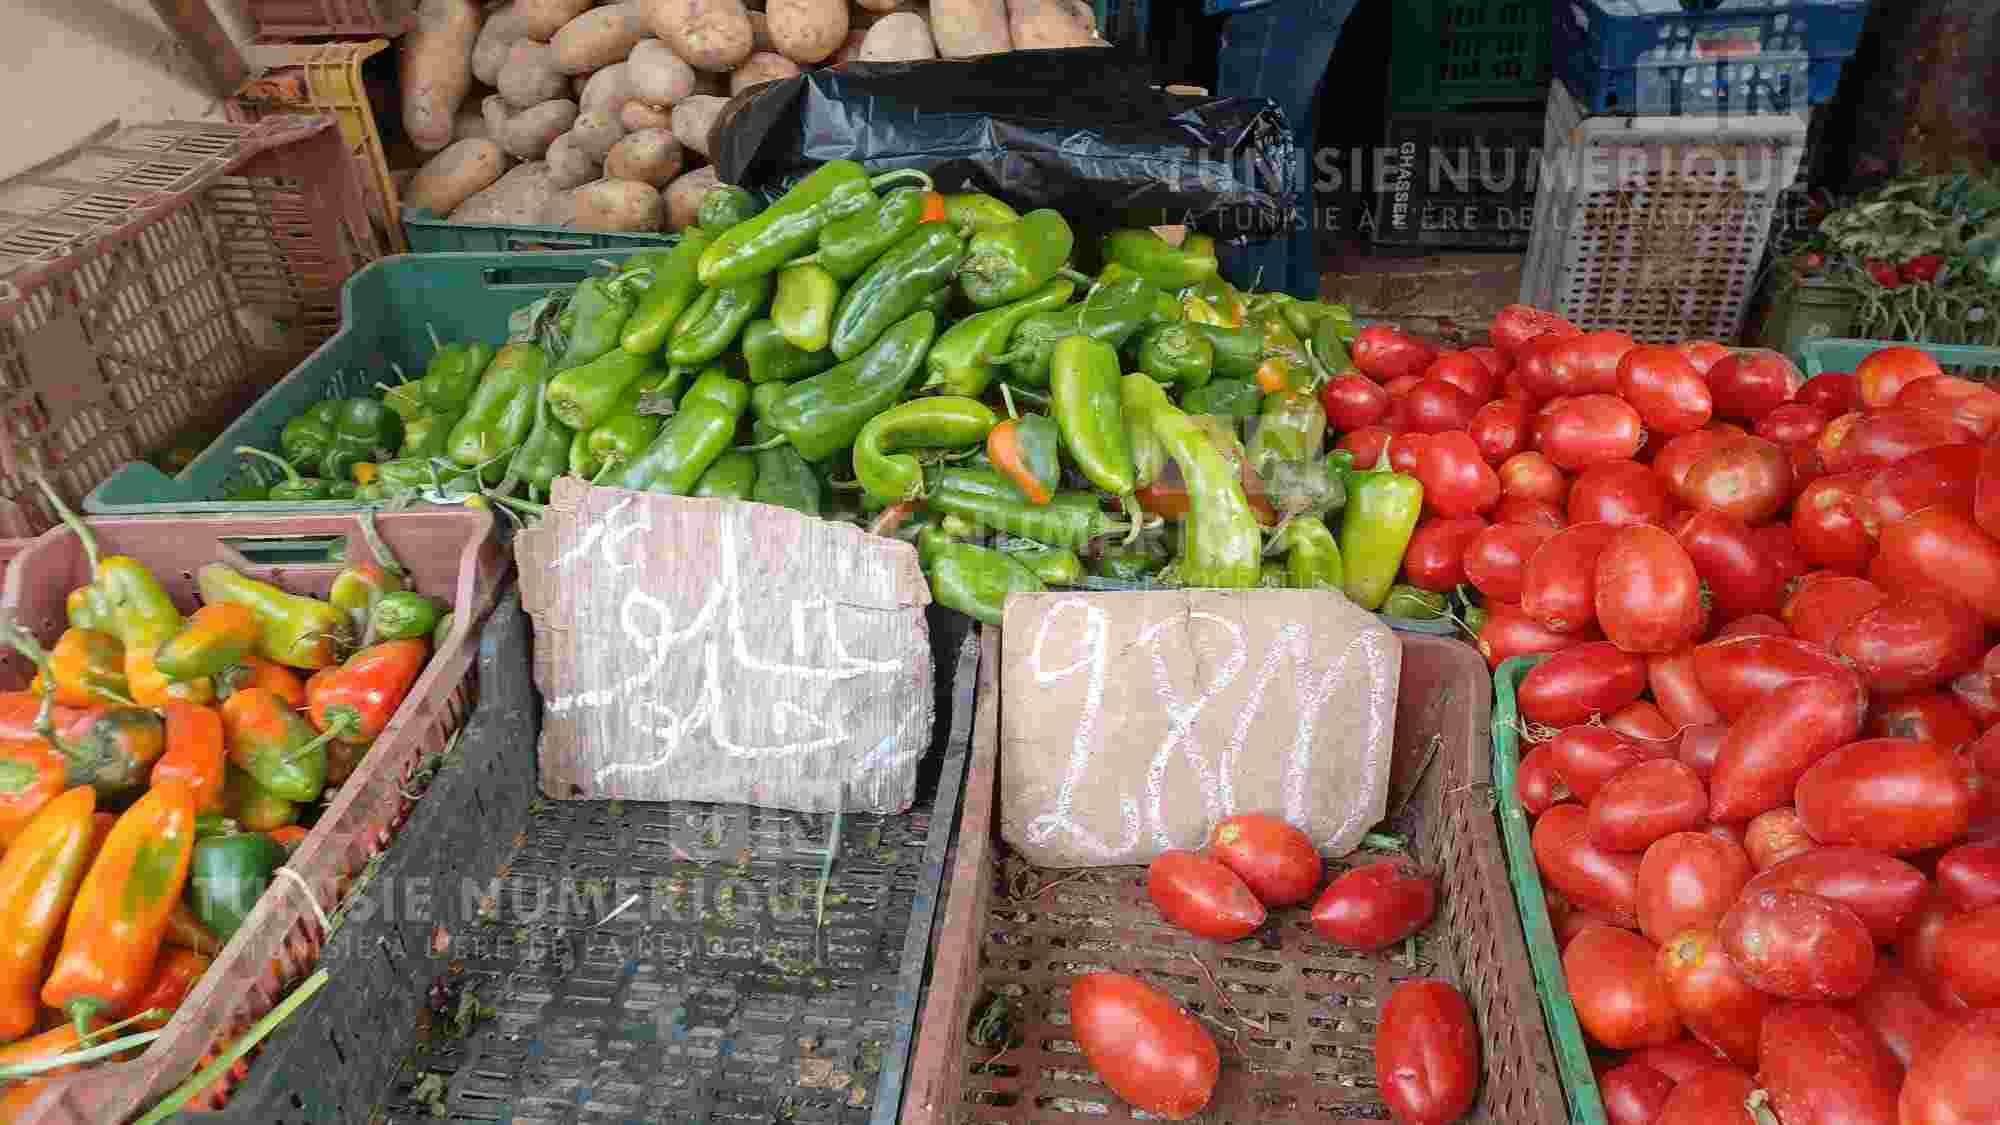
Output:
x=428 y=233
x=1566 y=1034
x=1452 y=54
x=387 y=312
x=1830 y=353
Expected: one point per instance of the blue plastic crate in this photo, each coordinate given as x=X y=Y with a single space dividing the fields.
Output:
x=429 y=233
x=1651 y=58
x=1833 y=353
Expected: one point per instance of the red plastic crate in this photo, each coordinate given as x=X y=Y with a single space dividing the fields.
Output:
x=306 y=19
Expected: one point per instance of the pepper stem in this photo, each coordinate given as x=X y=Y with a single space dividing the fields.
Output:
x=258 y=1032
x=340 y=721
x=436 y=344
x=767 y=444
x=1007 y=396
x=1134 y=513
x=1031 y=396
x=523 y=506
x=72 y=521
x=1077 y=276
x=919 y=176
x=291 y=473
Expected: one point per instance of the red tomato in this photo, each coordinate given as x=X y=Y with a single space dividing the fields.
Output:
x=1678 y=691
x=1514 y=326
x=1829 y=522
x=1682 y=1059
x=1942 y=551
x=1972 y=405
x=1509 y=633
x=1646 y=725
x=1406 y=451
x=1740 y=672
x=1588 y=364
x=1571 y=686
x=1495 y=360
x=1826 y=603
x=1500 y=429
x=1895 y=1007
x=1435 y=558
x=1401 y=385
x=1741 y=578
x=1820 y=1066
x=1914 y=643
x=1806 y=467
x=1835 y=392
x=1782 y=548
x=1943 y=477
x=1968 y=956
x=1986 y=491
x=1699 y=747
x=1531 y=377
x=1883 y=891
x=1974 y=692
x=1754 y=625
x=1559 y=588
x=1467 y=372
x=1620 y=1000
x=1719 y=1007
x=1537 y=784
x=1382 y=353
x=1645 y=803
x=1890 y=794
x=1670 y=395
x=1275 y=860
x=1969 y=876
x=1929 y=717
x=1495 y=560
x=1427 y=1054
x=1713 y=1097
x=1366 y=444
x=1882 y=376
x=1798 y=946
x=1776 y=836
x=1520 y=509
x=1587 y=756
x=1606 y=883
x=1918 y=950
x=1749 y=478
x=1353 y=401
x=1147 y=1048
x=1619 y=493
x=1202 y=896
x=1648 y=596
x=1534 y=477
x=1957 y=1080
x=1590 y=429
x=1778 y=740
x=1794 y=423
x=1673 y=460
x=1688 y=881
x=1376 y=905
x=1634 y=1094
x=1434 y=406
x=1750 y=384
x=1704 y=354
x=1876 y=440
x=1457 y=480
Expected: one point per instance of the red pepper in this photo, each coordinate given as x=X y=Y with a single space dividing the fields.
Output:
x=176 y=974
x=32 y=774
x=1884 y=274
x=359 y=698
x=197 y=754
x=38 y=877
x=257 y=672
x=1923 y=267
x=19 y=711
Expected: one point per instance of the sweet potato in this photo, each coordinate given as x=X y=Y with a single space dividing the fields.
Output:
x=1033 y=24
x=638 y=116
x=964 y=28
x=595 y=132
x=496 y=36
x=695 y=118
x=651 y=156
x=616 y=205
x=436 y=70
x=516 y=199
x=807 y=31
x=569 y=165
x=530 y=77
x=685 y=194
x=764 y=66
x=903 y=37
x=599 y=37
x=455 y=175
x=711 y=35
x=541 y=19
x=656 y=75
x=529 y=133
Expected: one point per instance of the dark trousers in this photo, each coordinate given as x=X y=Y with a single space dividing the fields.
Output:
x=1279 y=51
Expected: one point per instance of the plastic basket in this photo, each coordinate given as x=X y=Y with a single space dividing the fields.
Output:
x=1460 y=179
x=128 y=268
x=388 y=311
x=449 y=554
x=1304 y=1010
x=1656 y=225
x=429 y=233
x=327 y=78
x=1747 y=56
x=1565 y=1033
x=1451 y=54
x=278 y=20
x=1832 y=353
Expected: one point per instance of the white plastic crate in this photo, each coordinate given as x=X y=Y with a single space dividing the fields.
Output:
x=1656 y=225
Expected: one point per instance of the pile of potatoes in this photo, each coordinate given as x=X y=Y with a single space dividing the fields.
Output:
x=561 y=113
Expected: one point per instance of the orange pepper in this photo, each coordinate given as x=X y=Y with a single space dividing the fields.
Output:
x=934 y=211
x=257 y=672
x=290 y=836
x=16 y=1099
x=1011 y=450
x=55 y=1041
x=39 y=875
x=1274 y=375
x=185 y=931
x=214 y=640
x=196 y=754
x=358 y=699
x=32 y=774
x=89 y=669
x=101 y=826
x=119 y=919
x=151 y=687
x=176 y=974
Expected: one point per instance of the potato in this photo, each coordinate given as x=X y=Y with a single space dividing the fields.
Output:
x=470 y=124
x=764 y=66
x=685 y=194
x=607 y=90
x=530 y=76
x=807 y=31
x=516 y=199
x=436 y=69
x=655 y=74
x=651 y=156
x=616 y=205
x=903 y=37
x=847 y=49
x=638 y=116
x=599 y=37
x=760 y=32
x=964 y=28
x=1033 y=24
x=595 y=132
x=694 y=120
x=529 y=133
x=569 y=165
x=541 y=19
x=711 y=35
x=455 y=175
x=497 y=113
x=496 y=36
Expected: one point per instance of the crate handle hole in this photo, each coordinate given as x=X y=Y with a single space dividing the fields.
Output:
x=288 y=550
x=538 y=277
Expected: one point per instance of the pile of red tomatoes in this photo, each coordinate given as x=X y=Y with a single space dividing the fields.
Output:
x=1762 y=750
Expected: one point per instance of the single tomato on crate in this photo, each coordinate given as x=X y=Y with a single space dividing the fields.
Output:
x=1202 y=896
x=1891 y=794
x=1376 y=905
x=1467 y=372
x=1619 y=996
x=1773 y=743
x=1591 y=679
x=1457 y=480
x=1749 y=478
x=1427 y=1054
x=1673 y=459
x=1275 y=860
x=1434 y=406
x=1537 y=784
x=1589 y=756
x=1741 y=578
x=1646 y=803
x=1666 y=389
x=1147 y=1048
x=1749 y=384
x=1883 y=891
x=1508 y=633
x=1818 y=1064
x=1600 y=881
x=1914 y=643
x=1884 y=374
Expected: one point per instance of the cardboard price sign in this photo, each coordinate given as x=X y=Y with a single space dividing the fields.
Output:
x=717 y=650
x=1132 y=723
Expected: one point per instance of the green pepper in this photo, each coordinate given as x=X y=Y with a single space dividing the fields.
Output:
x=1149 y=456
x=943 y=422
x=733 y=476
x=428 y=434
x=594 y=320
x=615 y=442
x=1238 y=351
x=1221 y=544
x=1226 y=398
x=1176 y=353
x=247 y=493
x=1274 y=576
x=931 y=541
x=990 y=500
x=1027 y=451
x=1291 y=426
x=1279 y=340
x=1224 y=298
x=544 y=453
x=1137 y=562
x=437 y=478
x=894 y=286
x=976 y=211
x=1088 y=404
x=1114 y=313
x=758 y=246
x=803 y=306
x=1312 y=558
x=1033 y=345
x=976 y=581
x=363 y=430
x=451 y=376
x=962 y=360
x=228 y=875
x=769 y=358
x=1329 y=348
x=712 y=323
x=1473 y=620
x=849 y=246
x=402 y=615
x=294 y=486
x=674 y=286
x=503 y=408
x=726 y=205
x=254 y=807
x=1165 y=266
x=784 y=478
x=306 y=438
x=1006 y=264
x=698 y=433
x=1166 y=308
x=1303 y=488
x=822 y=415
x=582 y=396
x=274 y=745
x=937 y=303
x=764 y=397
x=1383 y=506
x=1055 y=566
x=583 y=464
x=1412 y=604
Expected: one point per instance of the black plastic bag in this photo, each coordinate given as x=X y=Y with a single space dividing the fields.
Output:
x=1081 y=130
